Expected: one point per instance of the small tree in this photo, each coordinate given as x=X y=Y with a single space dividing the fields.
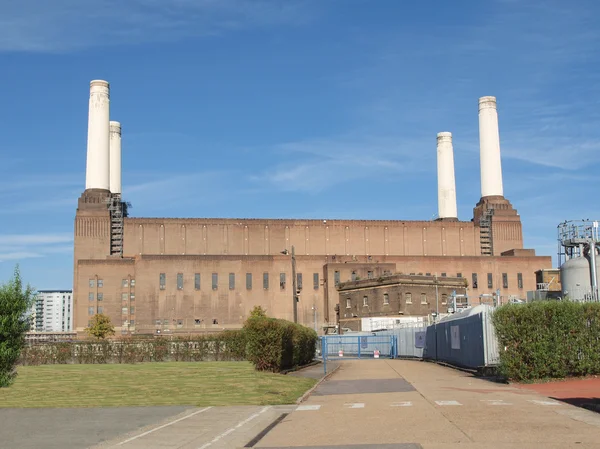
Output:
x=15 y=302
x=257 y=312
x=101 y=327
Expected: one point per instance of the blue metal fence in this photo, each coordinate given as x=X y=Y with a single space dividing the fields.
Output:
x=340 y=347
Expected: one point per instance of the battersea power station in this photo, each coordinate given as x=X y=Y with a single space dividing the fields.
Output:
x=160 y=275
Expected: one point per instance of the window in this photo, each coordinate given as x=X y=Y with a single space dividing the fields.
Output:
x=348 y=303
x=490 y=282
x=423 y=298
x=197 y=281
x=231 y=281
x=248 y=281
x=132 y=282
x=443 y=275
x=266 y=280
x=132 y=297
x=132 y=322
x=316 y=281
x=520 y=280
x=408 y=298
x=353 y=275
x=100 y=309
x=92 y=283
x=427 y=274
x=125 y=283
x=458 y=275
x=100 y=296
x=369 y=275
x=179 y=323
x=444 y=298
x=100 y=283
x=474 y=279
x=365 y=301
x=162 y=281
x=282 y=281
x=197 y=321
x=336 y=278
x=124 y=296
x=386 y=299
x=504 y=280
x=124 y=310
x=215 y=281
x=132 y=310
x=299 y=281
x=179 y=281
x=387 y=272
x=91 y=297
x=158 y=322
x=91 y=310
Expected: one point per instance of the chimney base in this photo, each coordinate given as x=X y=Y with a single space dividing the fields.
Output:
x=94 y=200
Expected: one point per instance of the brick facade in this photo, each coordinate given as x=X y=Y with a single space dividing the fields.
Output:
x=327 y=251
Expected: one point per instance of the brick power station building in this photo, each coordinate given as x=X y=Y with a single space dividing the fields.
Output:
x=196 y=274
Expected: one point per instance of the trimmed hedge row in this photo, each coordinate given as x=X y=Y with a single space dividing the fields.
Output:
x=275 y=345
x=228 y=345
x=553 y=339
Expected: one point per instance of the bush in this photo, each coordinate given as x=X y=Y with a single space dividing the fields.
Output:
x=228 y=345
x=275 y=345
x=548 y=339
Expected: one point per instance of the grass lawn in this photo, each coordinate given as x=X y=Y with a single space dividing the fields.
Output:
x=177 y=383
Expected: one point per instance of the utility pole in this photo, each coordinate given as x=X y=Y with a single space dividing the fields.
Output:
x=437 y=301
x=295 y=292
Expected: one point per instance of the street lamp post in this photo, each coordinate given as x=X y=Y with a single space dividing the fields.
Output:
x=295 y=292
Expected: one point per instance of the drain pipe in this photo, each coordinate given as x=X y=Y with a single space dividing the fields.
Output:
x=593 y=269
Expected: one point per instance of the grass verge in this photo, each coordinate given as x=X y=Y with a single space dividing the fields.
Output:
x=179 y=383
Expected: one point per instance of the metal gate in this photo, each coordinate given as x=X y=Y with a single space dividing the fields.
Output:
x=340 y=347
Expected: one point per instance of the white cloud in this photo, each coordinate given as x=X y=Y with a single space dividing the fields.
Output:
x=18 y=256
x=35 y=239
x=65 y=25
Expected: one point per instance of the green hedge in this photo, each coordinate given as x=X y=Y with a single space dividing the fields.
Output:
x=228 y=345
x=275 y=345
x=554 y=339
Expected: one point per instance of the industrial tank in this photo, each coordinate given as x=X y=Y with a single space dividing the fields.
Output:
x=575 y=277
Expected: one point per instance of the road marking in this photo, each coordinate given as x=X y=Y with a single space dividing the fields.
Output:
x=495 y=402
x=163 y=426
x=448 y=403
x=355 y=405
x=544 y=402
x=308 y=407
x=401 y=404
x=233 y=429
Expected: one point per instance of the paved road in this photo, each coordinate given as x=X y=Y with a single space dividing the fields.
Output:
x=409 y=404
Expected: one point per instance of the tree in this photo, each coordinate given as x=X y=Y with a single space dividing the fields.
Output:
x=15 y=303
x=258 y=311
x=101 y=327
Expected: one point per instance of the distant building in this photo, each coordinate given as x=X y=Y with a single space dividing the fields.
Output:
x=53 y=311
x=398 y=295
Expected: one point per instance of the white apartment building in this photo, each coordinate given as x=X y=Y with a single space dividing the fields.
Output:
x=53 y=311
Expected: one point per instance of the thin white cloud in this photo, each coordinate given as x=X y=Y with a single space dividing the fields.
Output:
x=65 y=25
x=35 y=239
x=322 y=163
x=19 y=256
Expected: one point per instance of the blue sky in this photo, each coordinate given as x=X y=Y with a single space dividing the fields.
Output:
x=293 y=108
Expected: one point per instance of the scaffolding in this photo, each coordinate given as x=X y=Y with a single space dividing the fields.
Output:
x=485 y=233
x=118 y=212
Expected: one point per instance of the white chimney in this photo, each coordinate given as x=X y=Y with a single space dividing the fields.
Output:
x=446 y=181
x=115 y=157
x=489 y=146
x=97 y=167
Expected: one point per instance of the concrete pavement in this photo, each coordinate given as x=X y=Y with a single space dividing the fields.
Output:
x=445 y=408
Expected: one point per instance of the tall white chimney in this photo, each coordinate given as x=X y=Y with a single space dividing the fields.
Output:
x=489 y=147
x=97 y=166
x=446 y=182
x=115 y=157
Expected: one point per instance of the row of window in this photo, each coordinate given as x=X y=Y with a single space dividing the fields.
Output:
x=386 y=299
x=100 y=296
x=100 y=282
x=490 y=280
x=100 y=309
x=162 y=281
